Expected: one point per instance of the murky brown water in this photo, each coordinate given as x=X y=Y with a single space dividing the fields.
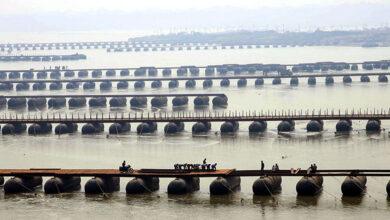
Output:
x=299 y=149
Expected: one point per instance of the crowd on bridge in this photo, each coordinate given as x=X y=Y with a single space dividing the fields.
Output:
x=196 y=167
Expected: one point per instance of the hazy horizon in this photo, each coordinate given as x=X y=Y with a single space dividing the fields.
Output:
x=298 y=15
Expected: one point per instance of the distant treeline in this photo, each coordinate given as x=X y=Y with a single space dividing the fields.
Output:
x=365 y=38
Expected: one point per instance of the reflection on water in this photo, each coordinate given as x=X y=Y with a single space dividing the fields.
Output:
x=180 y=108
x=308 y=201
x=226 y=200
x=352 y=201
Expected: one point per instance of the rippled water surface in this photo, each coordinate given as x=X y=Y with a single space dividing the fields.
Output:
x=297 y=149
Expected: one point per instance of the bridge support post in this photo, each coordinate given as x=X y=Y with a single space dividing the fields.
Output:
x=208 y=83
x=59 y=184
x=315 y=126
x=329 y=80
x=347 y=79
x=180 y=101
x=20 y=184
x=267 y=185
x=57 y=102
x=286 y=126
x=382 y=78
x=92 y=128
x=220 y=101
x=201 y=101
x=101 y=185
x=141 y=185
x=373 y=125
x=40 y=128
x=118 y=128
x=257 y=126
x=183 y=185
x=159 y=102
x=241 y=82
x=201 y=127
x=138 y=101
x=344 y=126
x=353 y=185
x=225 y=185
x=225 y=83
x=259 y=82
x=173 y=127
x=276 y=81
x=309 y=185
x=364 y=78
x=146 y=127
x=16 y=128
x=229 y=127
x=66 y=128
x=294 y=81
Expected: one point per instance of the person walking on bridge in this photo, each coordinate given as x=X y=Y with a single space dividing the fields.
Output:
x=262 y=166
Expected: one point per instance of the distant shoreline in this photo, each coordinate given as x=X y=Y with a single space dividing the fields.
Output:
x=364 y=38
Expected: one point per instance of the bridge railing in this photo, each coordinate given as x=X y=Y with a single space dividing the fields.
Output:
x=293 y=114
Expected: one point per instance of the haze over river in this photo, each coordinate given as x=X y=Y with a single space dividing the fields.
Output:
x=241 y=151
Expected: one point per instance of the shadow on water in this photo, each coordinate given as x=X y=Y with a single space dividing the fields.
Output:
x=36 y=108
x=159 y=109
x=102 y=197
x=229 y=135
x=118 y=109
x=204 y=135
x=21 y=196
x=174 y=135
x=229 y=199
x=143 y=198
x=254 y=136
x=373 y=134
x=314 y=136
x=220 y=107
x=180 y=108
x=284 y=135
x=307 y=201
x=266 y=201
x=188 y=198
x=201 y=108
x=349 y=201
x=139 y=109
x=343 y=134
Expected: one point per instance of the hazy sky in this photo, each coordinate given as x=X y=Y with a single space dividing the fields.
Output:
x=178 y=15
x=37 y=6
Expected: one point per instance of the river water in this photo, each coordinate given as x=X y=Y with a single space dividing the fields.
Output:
x=242 y=151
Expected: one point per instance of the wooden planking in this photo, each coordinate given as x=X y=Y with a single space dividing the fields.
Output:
x=190 y=118
x=183 y=173
x=113 y=95
x=181 y=78
x=110 y=172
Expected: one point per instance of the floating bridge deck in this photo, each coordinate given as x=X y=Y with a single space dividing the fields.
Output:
x=192 y=78
x=188 y=66
x=188 y=173
x=183 y=117
x=113 y=95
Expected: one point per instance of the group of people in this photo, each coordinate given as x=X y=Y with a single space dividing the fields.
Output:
x=274 y=167
x=197 y=166
x=58 y=67
x=313 y=168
